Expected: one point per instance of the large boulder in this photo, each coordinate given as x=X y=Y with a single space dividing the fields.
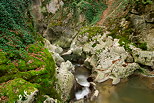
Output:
x=18 y=90
x=65 y=79
x=143 y=57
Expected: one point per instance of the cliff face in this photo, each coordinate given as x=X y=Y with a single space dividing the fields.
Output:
x=134 y=15
x=63 y=18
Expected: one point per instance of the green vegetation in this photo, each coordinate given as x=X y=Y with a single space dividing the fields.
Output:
x=24 y=62
x=145 y=2
x=45 y=2
x=124 y=38
x=13 y=88
x=14 y=32
x=91 y=31
x=37 y=67
x=90 y=8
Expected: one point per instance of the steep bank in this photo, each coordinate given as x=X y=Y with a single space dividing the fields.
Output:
x=27 y=67
x=115 y=49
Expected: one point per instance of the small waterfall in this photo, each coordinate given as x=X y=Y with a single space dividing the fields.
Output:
x=81 y=76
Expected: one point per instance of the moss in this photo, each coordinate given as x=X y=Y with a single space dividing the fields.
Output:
x=3 y=58
x=37 y=67
x=21 y=64
x=142 y=46
x=8 y=68
x=25 y=75
x=33 y=48
x=12 y=89
x=125 y=36
x=55 y=23
x=91 y=31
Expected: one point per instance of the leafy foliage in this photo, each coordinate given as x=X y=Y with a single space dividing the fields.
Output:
x=14 y=35
x=90 y=8
x=45 y=2
x=20 y=57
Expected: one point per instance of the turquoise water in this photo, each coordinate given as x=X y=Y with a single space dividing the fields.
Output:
x=136 y=89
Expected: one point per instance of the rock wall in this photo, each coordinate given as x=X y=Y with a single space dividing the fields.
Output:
x=138 y=14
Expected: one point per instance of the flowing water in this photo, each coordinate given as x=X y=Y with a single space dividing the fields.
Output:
x=137 y=89
x=81 y=75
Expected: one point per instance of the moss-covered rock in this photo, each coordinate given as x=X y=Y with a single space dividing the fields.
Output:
x=91 y=31
x=37 y=66
x=3 y=58
x=16 y=89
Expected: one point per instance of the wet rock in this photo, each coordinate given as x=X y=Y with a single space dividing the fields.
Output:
x=82 y=93
x=65 y=79
x=79 y=101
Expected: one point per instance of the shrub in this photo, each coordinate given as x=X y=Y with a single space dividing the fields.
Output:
x=90 y=8
x=14 y=33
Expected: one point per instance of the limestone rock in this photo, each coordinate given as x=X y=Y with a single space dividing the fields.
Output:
x=65 y=78
x=50 y=100
x=52 y=48
x=54 y=5
x=106 y=57
x=60 y=35
x=55 y=50
x=144 y=57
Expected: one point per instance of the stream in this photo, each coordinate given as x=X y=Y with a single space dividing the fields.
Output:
x=81 y=75
x=137 y=89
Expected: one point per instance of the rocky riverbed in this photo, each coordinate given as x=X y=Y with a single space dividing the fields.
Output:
x=102 y=56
